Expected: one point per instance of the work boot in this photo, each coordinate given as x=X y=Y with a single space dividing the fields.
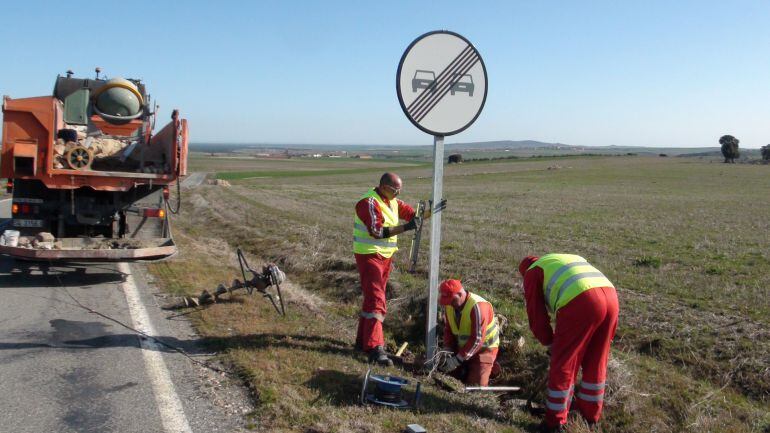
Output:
x=545 y=428
x=379 y=356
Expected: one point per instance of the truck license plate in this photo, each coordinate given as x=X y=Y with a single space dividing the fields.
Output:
x=28 y=223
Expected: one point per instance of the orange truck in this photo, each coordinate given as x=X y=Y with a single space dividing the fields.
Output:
x=89 y=178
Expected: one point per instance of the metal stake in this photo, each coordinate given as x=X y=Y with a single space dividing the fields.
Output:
x=435 y=246
x=492 y=388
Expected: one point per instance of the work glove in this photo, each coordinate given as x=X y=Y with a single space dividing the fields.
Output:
x=451 y=364
x=411 y=225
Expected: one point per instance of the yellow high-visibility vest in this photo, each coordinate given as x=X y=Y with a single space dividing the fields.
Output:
x=462 y=332
x=565 y=276
x=363 y=242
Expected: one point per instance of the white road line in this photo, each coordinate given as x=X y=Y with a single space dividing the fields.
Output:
x=171 y=410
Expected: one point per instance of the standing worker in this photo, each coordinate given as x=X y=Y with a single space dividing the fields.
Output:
x=586 y=307
x=470 y=332
x=374 y=243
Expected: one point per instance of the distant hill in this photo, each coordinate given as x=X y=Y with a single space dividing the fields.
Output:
x=508 y=144
x=478 y=149
x=561 y=148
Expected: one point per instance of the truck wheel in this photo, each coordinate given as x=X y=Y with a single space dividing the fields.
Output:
x=80 y=158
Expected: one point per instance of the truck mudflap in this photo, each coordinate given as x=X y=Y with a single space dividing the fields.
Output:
x=97 y=250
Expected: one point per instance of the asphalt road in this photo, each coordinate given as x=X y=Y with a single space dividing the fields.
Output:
x=194 y=179
x=64 y=368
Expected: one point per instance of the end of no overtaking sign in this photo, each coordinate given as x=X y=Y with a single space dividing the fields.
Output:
x=441 y=83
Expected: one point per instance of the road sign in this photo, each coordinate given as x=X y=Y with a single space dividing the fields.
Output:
x=442 y=86
x=441 y=83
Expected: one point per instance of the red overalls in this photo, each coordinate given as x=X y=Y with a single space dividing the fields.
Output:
x=374 y=270
x=583 y=333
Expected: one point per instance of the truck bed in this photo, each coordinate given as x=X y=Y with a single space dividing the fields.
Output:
x=102 y=250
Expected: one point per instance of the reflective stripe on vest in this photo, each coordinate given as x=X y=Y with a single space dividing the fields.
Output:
x=363 y=242
x=565 y=276
x=491 y=337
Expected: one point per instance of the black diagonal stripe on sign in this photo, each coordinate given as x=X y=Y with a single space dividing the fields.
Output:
x=426 y=93
x=443 y=92
x=440 y=76
x=446 y=77
x=445 y=87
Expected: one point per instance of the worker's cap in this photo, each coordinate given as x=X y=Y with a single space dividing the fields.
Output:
x=526 y=262
x=447 y=289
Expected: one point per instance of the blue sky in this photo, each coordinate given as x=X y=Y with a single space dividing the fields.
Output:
x=648 y=73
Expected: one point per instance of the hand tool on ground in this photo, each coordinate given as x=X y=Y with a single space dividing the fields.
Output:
x=401 y=349
x=492 y=388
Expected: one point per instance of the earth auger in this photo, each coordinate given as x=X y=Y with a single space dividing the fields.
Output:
x=270 y=276
x=419 y=217
x=414 y=250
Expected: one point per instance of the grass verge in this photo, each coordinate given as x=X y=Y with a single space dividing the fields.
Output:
x=691 y=352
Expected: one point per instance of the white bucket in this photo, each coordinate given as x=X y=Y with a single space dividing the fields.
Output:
x=10 y=238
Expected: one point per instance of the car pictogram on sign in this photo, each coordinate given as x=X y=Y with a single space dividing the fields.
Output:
x=423 y=80
x=463 y=83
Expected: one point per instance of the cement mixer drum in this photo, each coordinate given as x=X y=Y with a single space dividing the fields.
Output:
x=118 y=101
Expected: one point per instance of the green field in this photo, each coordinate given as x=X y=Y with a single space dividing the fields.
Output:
x=686 y=241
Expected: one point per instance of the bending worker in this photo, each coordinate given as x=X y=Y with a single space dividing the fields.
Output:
x=586 y=308
x=374 y=242
x=470 y=332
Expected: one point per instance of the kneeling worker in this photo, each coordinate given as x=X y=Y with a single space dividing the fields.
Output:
x=470 y=332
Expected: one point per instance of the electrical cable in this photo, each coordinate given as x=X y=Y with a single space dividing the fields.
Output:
x=138 y=332
x=438 y=359
x=178 y=198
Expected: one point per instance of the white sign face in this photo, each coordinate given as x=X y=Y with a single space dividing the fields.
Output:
x=441 y=83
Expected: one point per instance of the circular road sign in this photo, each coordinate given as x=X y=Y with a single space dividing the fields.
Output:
x=441 y=83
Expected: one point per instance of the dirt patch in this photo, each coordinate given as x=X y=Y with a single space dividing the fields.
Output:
x=218 y=182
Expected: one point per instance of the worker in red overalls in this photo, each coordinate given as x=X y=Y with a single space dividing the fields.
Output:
x=470 y=333
x=376 y=225
x=585 y=304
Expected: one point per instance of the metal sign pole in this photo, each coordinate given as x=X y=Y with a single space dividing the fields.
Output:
x=435 y=246
x=441 y=84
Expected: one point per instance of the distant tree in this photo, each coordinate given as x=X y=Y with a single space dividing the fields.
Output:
x=729 y=148
x=765 y=152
